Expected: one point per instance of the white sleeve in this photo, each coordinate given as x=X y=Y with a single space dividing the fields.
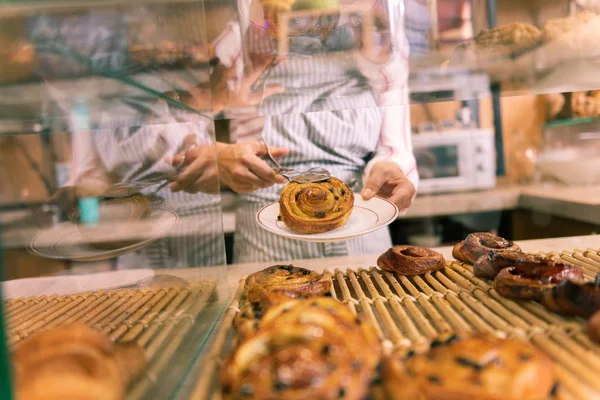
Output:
x=390 y=84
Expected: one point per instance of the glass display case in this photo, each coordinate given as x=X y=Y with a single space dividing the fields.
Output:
x=141 y=143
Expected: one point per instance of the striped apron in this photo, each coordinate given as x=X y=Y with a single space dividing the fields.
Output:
x=133 y=148
x=327 y=118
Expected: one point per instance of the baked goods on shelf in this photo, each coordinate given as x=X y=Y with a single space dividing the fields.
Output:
x=280 y=282
x=74 y=362
x=477 y=367
x=410 y=260
x=530 y=281
x=316 y=207
x=573 y=298
x=311 y=352
x=293 y=311
x=275 y=286
x=490 y=264
x=479 y=244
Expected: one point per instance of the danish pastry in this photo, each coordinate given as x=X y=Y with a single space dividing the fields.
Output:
x=308 y=353
x=316 y=207
x=74 y=362
x=531 y=281
x=573 y=298
x=490 y=264
x=280 y=282
x=478 y=244
x=480 y=367
x=410 y=260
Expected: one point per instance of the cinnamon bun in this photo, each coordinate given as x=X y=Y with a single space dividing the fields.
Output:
x=316 y=207
x=410 y=260
x=281 y=282
x=313 y=354
x=478 y=244
x=478 y=367
x=74 y=362
x=531 y=281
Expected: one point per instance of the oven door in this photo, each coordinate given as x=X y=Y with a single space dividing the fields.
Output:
x=443 y=166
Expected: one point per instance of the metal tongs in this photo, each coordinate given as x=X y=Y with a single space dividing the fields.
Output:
x=311 y=175
x=160 y=180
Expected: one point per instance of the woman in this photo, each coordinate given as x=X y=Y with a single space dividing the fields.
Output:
x=350 y=116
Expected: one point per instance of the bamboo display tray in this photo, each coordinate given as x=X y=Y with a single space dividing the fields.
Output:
x=156 y=318
x=411 y=311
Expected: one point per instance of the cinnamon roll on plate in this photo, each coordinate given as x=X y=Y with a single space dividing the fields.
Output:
x=316 y=207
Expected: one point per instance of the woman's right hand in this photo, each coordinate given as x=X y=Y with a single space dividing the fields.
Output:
x=240 y=167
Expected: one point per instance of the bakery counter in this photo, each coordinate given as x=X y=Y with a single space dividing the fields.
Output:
x=454 y=298
x=577 y=203
x=235 y=272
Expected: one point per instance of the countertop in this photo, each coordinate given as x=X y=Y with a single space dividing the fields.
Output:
x=233 y=273
x=578 y=203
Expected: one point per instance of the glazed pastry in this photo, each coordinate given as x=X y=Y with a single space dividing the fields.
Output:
x=281 y=282
x=490 y=264
x=313 y=354
x=74 y=362
x=478 y=244
x=316 y=207
x=410 y=260
x=247 y=320
x=530 y=281
x=593 y=327
x=296 y=311
x=573 y=298
x=480 y=367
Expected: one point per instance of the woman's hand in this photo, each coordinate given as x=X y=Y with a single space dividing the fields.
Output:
x=239 y=167
x=388 y=181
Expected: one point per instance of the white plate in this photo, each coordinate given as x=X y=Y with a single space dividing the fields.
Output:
x=65 y=242
x=367 y=216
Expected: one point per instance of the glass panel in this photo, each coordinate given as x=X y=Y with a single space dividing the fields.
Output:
x=102 y=110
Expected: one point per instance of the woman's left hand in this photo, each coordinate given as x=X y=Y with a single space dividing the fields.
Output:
x=388 y=181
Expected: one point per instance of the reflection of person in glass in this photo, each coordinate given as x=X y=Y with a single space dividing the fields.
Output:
x=346 y=112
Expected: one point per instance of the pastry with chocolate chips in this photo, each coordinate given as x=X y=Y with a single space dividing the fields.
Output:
x=305 y=349
x=280 y=282
x=479 y=367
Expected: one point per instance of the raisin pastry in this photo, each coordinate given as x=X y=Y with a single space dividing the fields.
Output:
x=316 y=207
x=479 y=244
x=410 y=260
x=313 y=354
x=480 y=367
x=294 y=311
x=280 y=282
x=74 y=362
